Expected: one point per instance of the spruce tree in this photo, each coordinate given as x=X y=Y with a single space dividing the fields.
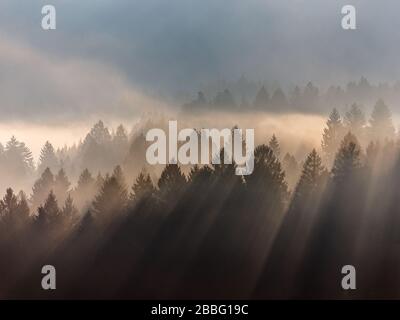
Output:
x=18 y=159
x=9 y=204
x=49 y=213
x=23 y=210
x=142 y=189
x=48 y=158
x=268 y=179
x=262 y=99
x=171 y=183
x=41 y=188
x=274 y=145
x=85 y=190
x=355 y=120
x=312 y=177
x=332 y=136
x=348 y=159
x=111 y=200
x=61 y=186
x=278 y=99
x=99 y=181
x=381 y=124
x=69 y=211
x=119 y=175
x=290 y=166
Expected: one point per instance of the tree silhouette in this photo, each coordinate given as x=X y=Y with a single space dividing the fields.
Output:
x=120 y=144
x=61 y=186
x=111 y=200
x=69 y=210
x=18 y=160
x=268 y=178
x=85 y=190
x=142 y=189
x=119 y=175
x=290 y=166
x=278 y=99
x=41 y=188
x=135 y=160
x=355 y=120
x=310 y=96
x=274 y=145
x=23 y=211
x=198 y=103
x=262 y=99
x=199 y=174
x=332 y=136
x=99 y=181
x=14 y=210
x=312 y=177
x=348 y=159
x=224 y=99
x=49 y=213
x=171 y=183
x=9 y=204
x=381 y=125
x=95 y=149
x=48 y=158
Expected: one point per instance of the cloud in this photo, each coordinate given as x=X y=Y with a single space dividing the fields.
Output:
x=39 y=87
x=168 y=46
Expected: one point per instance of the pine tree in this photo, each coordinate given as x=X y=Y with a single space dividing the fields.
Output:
x=296 y=98
x=198 y=174
x=290 y=166
x=23 y=211
x=9 y=204
x=278 y=99
x=111 y=200
x=274 y=145
x=135 y=160
x=348 y=159
x=14 y=210
x=268 y=179
x=69 y=211
x=48 y=158
x=224 y=99
x=262 y=99
x=312 y=177
x=119 y=175
x=99 y=181
x=381 y=124
x=100 y=133
x=199 y=102
x=85 y=179
x=61 y=186
x=95 y=150
x=142 y=189
x=120 y=138
x=18 y=159
x=332 y=136
x=372 y=152
x=41 y=188
x=85 y=190
x=171 y=183
x=310 y=96
x=355 y=120
x=120 y=144
x=49 y=213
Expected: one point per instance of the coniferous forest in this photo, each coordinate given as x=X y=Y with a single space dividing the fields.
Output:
x=115 y=227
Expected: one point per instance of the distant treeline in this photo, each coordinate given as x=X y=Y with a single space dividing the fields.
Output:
x=212 y=234
x=245 y=95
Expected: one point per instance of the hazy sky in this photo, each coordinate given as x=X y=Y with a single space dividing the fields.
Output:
x=109 y=57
